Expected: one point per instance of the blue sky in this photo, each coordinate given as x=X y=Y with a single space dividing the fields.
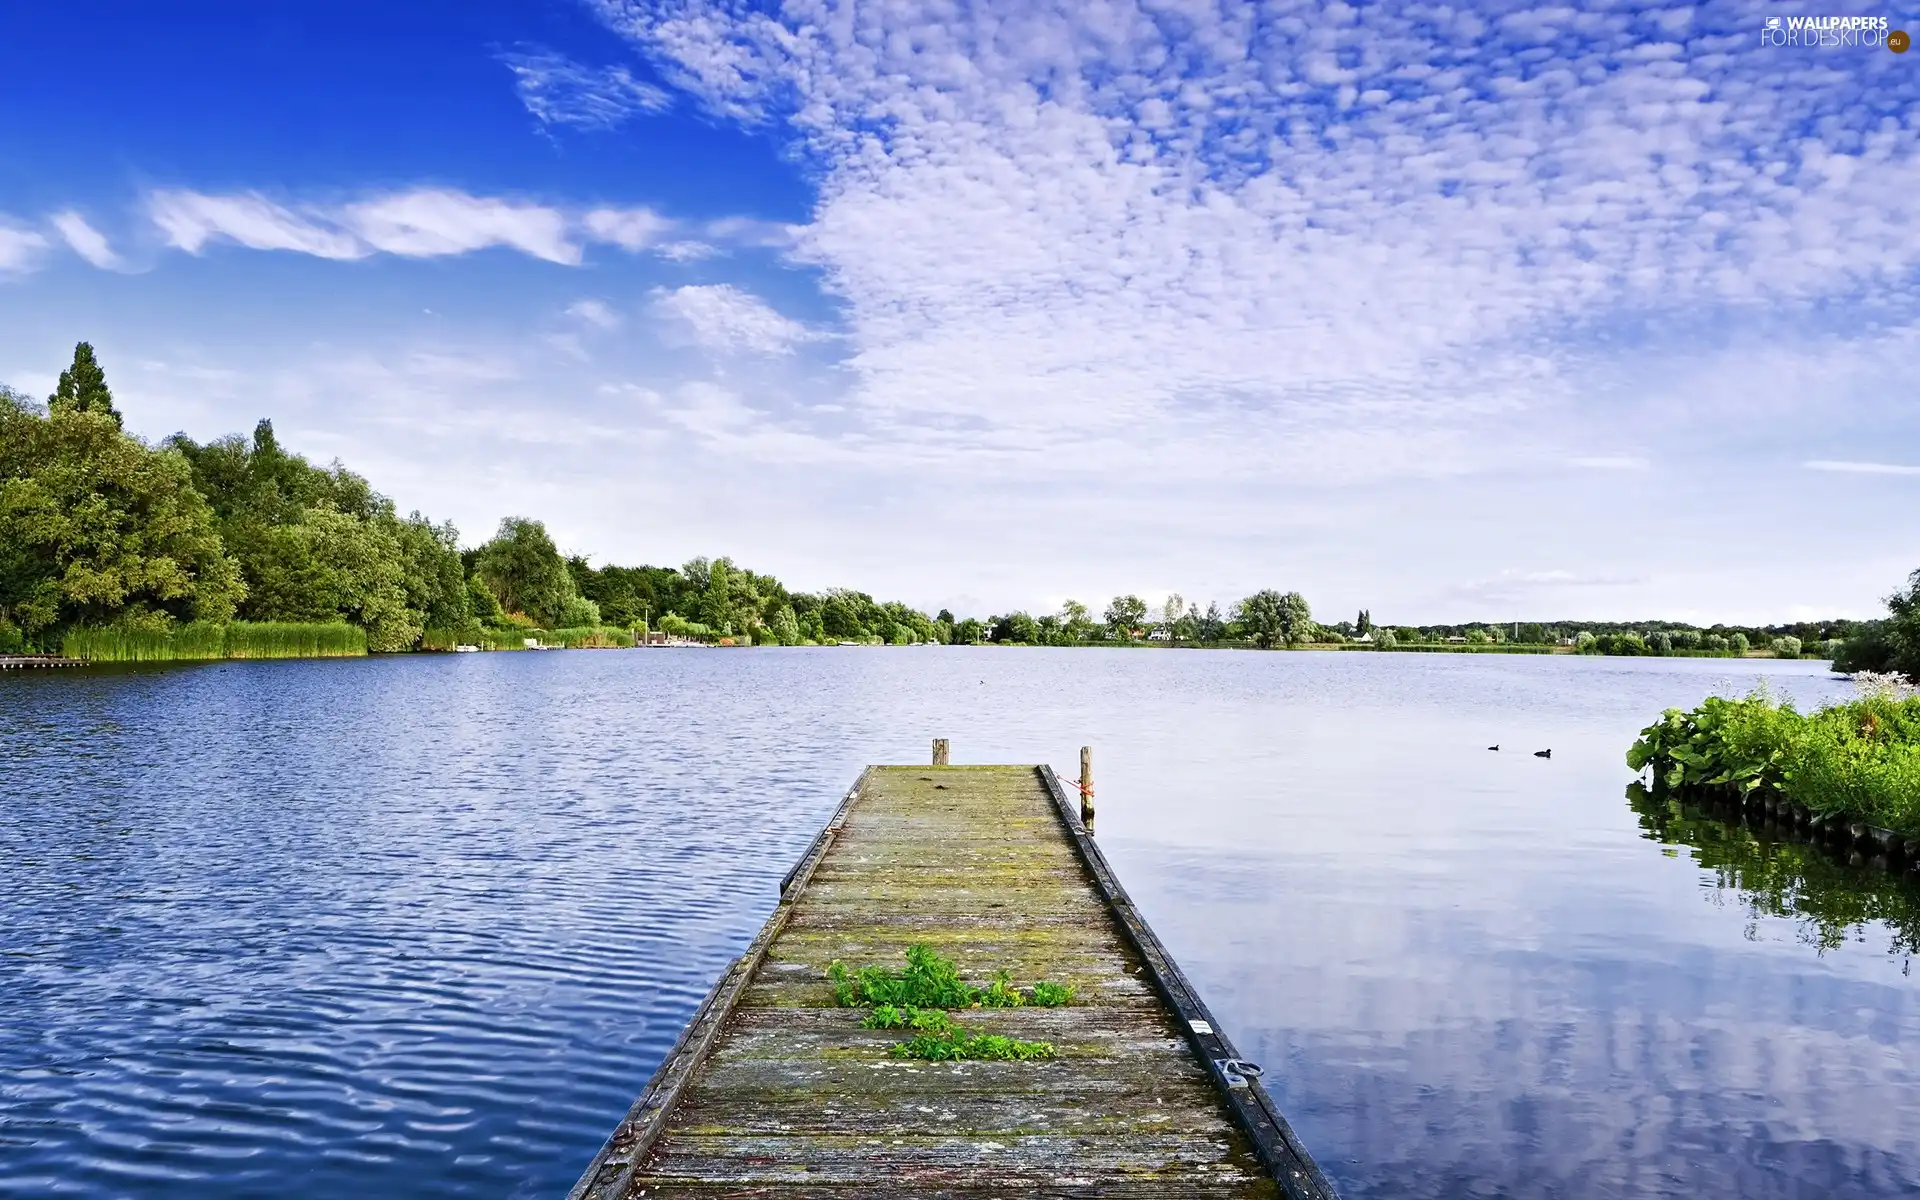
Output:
x=1488 y=311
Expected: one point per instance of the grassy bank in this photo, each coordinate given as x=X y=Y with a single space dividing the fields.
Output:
x=1858 y=761
x=203 y=642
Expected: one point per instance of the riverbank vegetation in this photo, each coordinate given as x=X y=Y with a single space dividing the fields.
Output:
x=199 y=641
x=1854 y=761
x=119 y=548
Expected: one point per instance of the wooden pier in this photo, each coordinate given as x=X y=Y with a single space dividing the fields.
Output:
x=773 y=1090
x=21 y=662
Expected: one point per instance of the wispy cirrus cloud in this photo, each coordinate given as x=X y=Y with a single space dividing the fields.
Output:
x=560 y=91
x=190 y=221
x=86 y=241
x=420 y=223
x=724 y=319
x=1846 y=467
x=429 y=223
x=594 y=313
x=1611 y=462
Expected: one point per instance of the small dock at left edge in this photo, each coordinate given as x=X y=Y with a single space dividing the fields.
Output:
x=27 y=662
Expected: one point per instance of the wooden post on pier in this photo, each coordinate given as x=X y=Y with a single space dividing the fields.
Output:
x=1086 y=787
x=939 y=752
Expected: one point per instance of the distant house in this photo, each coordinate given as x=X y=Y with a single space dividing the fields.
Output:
x=1363 y=637
x=1456 y=638
x=1160 y=635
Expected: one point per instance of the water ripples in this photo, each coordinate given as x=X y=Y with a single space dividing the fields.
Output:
x=426 y=925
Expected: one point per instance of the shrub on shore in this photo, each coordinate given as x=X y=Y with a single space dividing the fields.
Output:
x=1859 y=760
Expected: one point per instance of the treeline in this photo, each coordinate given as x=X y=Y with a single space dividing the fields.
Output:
x=100 y=531
x=1273 y=619
x=133 y=544
x=1890 y=646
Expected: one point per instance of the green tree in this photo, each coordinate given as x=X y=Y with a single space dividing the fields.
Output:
x=840 y=616
x=716 y=604
x=968 y=632
x=785 y=626
x=96 y=527
x=480 y=598
x=1738 y=644
x=1125 y=616
x=431 y=574
x=1213 y=626
x=1017 y=628
x=523 y=569
x=1171 y=609
x=1275 y=619
x=578 y=613
x=697 y=572
x=83 y=387
x=1186 y=627
x=1903 y=629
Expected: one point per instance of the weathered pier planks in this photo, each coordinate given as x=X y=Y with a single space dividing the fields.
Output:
x=27 y=662
x=773 y=1091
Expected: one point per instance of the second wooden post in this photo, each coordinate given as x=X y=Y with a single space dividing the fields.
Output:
x=1086 y=787
x=939 y=752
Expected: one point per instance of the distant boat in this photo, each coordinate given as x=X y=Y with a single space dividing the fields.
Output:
x=466 y=649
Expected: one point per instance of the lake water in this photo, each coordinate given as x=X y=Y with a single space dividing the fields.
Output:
x=425 y=925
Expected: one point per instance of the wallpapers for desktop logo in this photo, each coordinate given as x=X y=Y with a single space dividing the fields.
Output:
x=1832 y=33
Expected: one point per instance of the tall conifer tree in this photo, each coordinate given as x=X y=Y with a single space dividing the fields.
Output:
x=83 y=386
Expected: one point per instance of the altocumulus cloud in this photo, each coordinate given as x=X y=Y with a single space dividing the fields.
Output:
x=1298 y=222
x=722 y=318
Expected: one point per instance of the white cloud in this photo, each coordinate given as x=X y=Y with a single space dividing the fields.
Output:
x=722 y=318
x=559 y=91
x=86 y=241
x=1611 y=463
x=683 y=252
x=430 y=222
x=628 y=228
x=190 y=221
x=420 y=223
x=1333 y=238
x=20 y=249
x=1861 y=468
x=595 y=313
